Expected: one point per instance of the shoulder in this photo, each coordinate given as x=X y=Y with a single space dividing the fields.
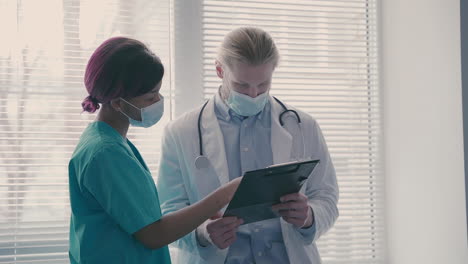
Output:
x=187 y=122
x=95 y=146
x=306 y=118
x=100 y=151
x=94 y=159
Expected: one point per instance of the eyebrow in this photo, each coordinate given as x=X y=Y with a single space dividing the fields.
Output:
x=243 y=83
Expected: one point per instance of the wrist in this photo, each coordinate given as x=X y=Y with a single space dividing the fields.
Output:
x=202 y=236
x=228 y=190
x=219 y=197
x=309 y=220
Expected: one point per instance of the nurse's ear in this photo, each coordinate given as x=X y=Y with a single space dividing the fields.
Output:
x=219 y=69
x=116 y=104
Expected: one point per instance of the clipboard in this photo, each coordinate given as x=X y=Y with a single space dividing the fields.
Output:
x=260 y=189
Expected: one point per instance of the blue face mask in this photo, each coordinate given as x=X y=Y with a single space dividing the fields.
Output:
x=245 y=105
x=150 y=115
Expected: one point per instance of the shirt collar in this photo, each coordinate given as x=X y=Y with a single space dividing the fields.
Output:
x=222 y=110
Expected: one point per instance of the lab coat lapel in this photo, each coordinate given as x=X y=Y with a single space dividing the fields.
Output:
x=213 y=143
x=281 y=139
x=282 y=147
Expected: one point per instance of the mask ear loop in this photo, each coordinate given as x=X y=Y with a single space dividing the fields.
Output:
x=139 y=109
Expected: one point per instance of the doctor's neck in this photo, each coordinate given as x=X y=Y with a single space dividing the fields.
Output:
x=223 y=92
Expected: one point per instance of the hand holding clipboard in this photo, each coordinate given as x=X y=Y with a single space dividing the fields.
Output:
x=260 y=189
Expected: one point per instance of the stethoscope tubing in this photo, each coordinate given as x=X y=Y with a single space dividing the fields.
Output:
x=201 y=160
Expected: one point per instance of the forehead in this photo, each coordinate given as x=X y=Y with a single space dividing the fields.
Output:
x=155 y=88
x=151 y=92
x=243 y=72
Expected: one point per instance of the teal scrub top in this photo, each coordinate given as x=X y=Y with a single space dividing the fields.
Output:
x=112 y=195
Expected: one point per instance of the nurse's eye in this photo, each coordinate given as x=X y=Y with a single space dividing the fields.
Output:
x=152 y=96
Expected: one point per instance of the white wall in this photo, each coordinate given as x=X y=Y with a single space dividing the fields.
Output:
x=188 y=82
x=421 y=78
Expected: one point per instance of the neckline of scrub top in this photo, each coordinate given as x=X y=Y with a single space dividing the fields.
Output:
x=109 y=129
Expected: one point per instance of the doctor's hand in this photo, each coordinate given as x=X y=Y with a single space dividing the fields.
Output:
x=295 y=210
x=222 y=231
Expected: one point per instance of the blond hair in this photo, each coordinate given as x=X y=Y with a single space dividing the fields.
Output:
x=248 y=45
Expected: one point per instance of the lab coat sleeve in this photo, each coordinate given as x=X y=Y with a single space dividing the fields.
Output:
x=321 y=188
x=171 y=186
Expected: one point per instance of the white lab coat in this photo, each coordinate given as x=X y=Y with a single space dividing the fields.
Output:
x=181 y=184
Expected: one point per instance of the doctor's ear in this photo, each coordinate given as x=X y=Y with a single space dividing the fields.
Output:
x=219 y=69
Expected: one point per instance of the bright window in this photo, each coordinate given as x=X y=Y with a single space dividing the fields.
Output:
x=43 y=53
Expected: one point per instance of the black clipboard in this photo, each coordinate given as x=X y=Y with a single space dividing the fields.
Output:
x=260 y=189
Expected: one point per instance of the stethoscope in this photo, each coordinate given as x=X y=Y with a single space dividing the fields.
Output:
x=202 y=162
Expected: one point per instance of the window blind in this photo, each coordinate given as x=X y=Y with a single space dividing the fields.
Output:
x=328 y=68
x=43 y=53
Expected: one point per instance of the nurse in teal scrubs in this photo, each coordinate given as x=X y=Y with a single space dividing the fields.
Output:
x=116 y=216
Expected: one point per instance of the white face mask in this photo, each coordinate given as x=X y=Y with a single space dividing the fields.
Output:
x=245 y=105
x=150 y=115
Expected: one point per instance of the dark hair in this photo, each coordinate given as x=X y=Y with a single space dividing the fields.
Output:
x=120 y=67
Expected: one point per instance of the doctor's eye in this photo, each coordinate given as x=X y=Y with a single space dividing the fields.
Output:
x=241 y=85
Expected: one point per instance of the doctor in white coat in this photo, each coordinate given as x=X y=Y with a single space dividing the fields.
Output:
x=243 y=128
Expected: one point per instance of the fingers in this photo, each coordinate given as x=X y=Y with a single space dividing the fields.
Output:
x=294 y=201
x=297 y=218
x=297 y=206
x=228 y=235
x=224 y=240
x=216 y=216
x=293 y=209
x=294 y=217
x=293 y=214
x=229 y=241
x=293 y=197
x=223 y=231
x=228 y=227
x=222 y=224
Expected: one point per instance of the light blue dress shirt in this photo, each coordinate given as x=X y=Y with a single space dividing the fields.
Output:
x=247 y=141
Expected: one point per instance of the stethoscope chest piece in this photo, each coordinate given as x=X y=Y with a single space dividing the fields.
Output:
x=202 y=162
